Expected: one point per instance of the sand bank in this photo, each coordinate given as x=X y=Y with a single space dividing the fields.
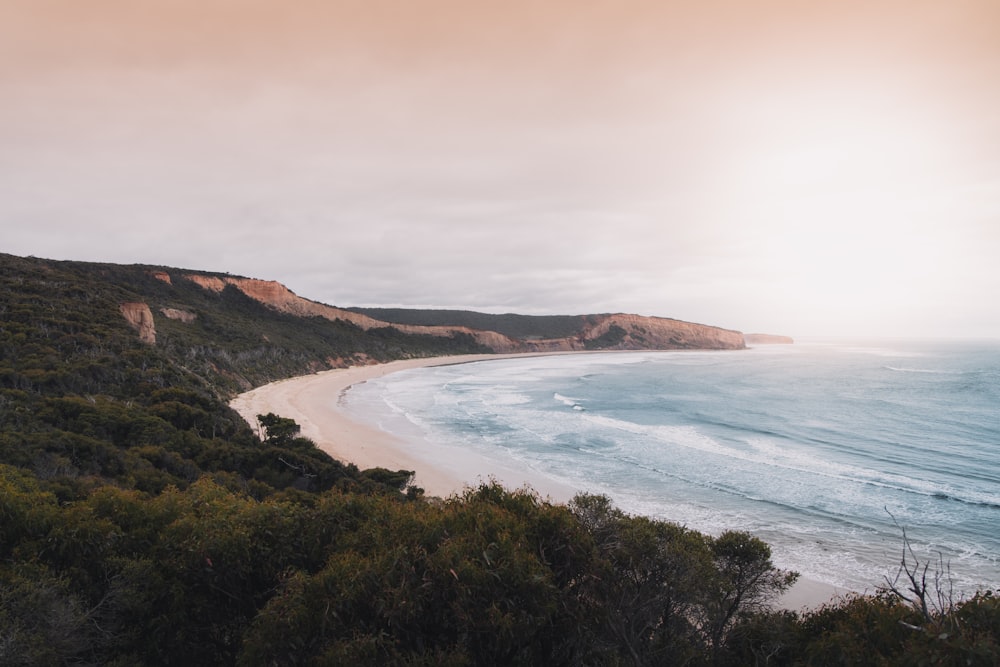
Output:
x=314 y=402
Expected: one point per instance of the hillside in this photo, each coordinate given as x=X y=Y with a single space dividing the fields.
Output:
x=586 y=332
x=215 y=326
x=233 y=333
x=96 y=388
x=121 y=373
x=540 y=333
x=509 y=324
x=143 y=523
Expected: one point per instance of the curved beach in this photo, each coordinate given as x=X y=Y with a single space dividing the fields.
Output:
x=313 y=401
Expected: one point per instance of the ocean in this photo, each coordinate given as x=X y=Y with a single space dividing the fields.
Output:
x=826 y=450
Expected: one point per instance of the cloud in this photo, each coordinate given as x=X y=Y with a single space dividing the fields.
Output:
x=769 y=166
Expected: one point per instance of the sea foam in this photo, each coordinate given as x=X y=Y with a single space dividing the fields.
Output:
x=826 y=451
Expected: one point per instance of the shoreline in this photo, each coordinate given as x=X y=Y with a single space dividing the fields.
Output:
x=314 y=402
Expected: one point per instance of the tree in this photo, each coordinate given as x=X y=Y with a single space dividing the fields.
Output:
x=935 y=601
x=278 y=431
x=745 y=582
x=648 y=578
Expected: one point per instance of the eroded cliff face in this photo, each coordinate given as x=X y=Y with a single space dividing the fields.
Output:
x=279 y=297
x=668 y=334
x=140 y=318
x=611 y=332
x=636 y=332
x=184 y=316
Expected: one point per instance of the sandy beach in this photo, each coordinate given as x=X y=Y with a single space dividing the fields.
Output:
x=314 y=402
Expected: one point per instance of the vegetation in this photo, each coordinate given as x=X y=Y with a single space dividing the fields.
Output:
x=509 y=324
x=614 y=335
x=142 y=522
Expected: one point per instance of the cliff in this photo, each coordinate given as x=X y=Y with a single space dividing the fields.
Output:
x=636 y=332
x=229 y=333
x=606 y=332
x=664 y=334
x=279 y=297
x=140 y=318
x=767 y=339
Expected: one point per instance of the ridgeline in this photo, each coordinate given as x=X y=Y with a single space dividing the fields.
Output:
x=142 y=522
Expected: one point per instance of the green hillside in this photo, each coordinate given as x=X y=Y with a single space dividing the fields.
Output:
x=83 y=401
x=509 y=324
x=233 y=342
x=143 y=523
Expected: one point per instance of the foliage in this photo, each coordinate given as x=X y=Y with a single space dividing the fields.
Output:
x=142 y=522
x=508 y=324
x=609 y=339
x=207 y=575
x=84 y=402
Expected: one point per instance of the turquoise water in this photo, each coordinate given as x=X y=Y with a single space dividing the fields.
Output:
x=825 y=450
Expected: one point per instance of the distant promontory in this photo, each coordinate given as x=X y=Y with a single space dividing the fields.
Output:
x=766 y=339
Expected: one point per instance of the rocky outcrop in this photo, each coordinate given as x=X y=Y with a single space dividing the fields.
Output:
x=140 y=318
x=279 y=297
x=767 y=339
x=213 y=283
x=183 y=315
x=162 y=276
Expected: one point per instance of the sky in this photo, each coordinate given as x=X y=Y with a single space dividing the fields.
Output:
x=820 y=168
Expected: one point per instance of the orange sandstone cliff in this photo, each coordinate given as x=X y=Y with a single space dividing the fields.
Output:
x=614 y=332
x=279 y=297
x=607 y=332
x=140 y=318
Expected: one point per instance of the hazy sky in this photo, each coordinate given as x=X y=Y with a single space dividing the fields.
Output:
x=789 y=166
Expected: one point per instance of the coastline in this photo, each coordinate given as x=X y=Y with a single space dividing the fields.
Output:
x=313 y=401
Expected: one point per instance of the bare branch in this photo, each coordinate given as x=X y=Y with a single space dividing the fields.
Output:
x=934 y=601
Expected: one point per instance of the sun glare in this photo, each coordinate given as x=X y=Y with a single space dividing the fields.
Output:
x=841 y=208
